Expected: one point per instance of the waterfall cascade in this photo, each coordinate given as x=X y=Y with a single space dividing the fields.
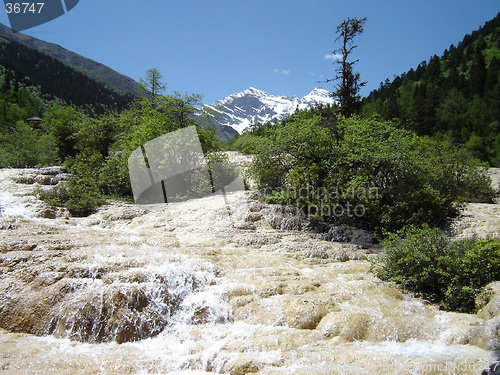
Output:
x=197 y=287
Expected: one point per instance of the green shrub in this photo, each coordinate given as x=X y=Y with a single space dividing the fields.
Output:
x=56 y=196
x=84 y=198
x=83 y=189
x=113 y=179
x=283 y=197
x=22 y=147
x=451 y=273
x=247 y=144
x=394 y=177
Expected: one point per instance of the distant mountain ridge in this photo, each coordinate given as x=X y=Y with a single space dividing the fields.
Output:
x=253 y=106
x=93 y=68
x=53 y=79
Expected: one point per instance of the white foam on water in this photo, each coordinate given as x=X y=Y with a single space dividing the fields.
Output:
x=201 y=336
x=415 y=348
x=13 y=207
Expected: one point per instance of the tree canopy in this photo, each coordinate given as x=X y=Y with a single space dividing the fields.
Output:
x=366 y=173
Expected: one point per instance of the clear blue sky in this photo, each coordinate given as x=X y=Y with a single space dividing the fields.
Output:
x=220 y=47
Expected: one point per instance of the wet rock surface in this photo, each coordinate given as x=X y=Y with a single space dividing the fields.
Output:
x=205 y=287
x=488 y=301
x=480 y=220
x=41 y=176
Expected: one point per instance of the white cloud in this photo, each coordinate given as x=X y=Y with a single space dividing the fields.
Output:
x=333 y=56
x=312 y=74
x=285 y=72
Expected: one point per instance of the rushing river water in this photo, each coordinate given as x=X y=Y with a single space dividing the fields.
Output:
x=201 y=287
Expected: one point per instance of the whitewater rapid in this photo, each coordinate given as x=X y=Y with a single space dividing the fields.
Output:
x=200 y=287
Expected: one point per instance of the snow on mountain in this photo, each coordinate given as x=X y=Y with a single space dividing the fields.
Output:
x=252 y=106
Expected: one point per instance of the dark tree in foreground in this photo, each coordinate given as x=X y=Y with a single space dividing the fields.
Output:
x=347 y=90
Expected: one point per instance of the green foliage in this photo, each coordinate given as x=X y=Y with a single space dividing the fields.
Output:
x=22 y=147
x=81 y=194
x=94 y=149
x=180 y=109
x=292 y=152
x=152 y=85
x=147 y=121
x=250 y=142
x=17 y=101
x=99 y=134
x=84 y=195
x=246 y=143
x=113 y=179
x=20 y=144
x=329 y=165
x=63 y=123
x=458 y=93
x=57 y=79
x=55 y=197
x=142 y=123
x=452 y=273
x=208 y=140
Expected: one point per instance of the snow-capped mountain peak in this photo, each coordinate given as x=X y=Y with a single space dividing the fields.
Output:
x=318 y=95
x=253 y=106
x=254 y=91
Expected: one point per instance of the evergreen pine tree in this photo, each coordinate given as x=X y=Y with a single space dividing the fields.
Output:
x=478 y=72
x=347 y=91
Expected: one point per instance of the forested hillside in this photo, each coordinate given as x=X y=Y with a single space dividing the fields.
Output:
x=55 y=79
x=92 y=68
x=34 y=84
x=457 y=93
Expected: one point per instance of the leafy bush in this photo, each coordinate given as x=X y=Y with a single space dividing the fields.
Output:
x=21 y=147
x=114 y=180
x=56 y=196
x=247 y=144
x=80 y=194
x=84 y=199
x=451 y=273
x=83 y=190
x=367 y=172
